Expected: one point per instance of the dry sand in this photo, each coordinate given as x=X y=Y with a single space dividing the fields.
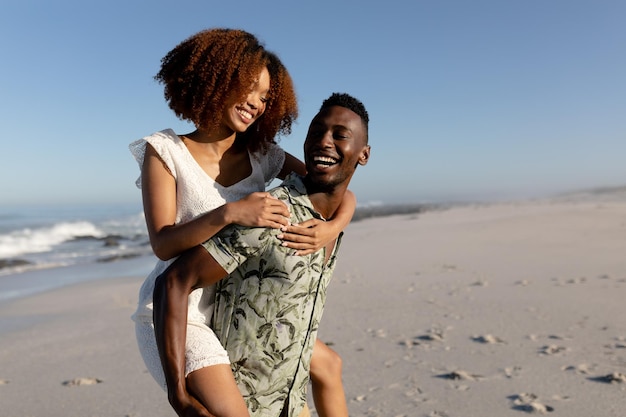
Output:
x=478 y=311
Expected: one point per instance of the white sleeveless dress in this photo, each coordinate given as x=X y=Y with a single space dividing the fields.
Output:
x=196 y=194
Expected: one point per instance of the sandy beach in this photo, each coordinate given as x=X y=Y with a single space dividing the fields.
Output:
x=472 y=311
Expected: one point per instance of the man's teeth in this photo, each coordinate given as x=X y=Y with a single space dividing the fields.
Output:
x=244 y=113
x=324 y=160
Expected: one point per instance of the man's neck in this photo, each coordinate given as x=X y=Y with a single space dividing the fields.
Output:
x=326 y=202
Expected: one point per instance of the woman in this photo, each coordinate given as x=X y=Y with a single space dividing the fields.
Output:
x=240 y=97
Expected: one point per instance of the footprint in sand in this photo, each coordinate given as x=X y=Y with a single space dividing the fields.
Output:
x=620 y=342
x=559 y=337
x=438 y=414
x=488 y=339
x=460 y=376
x=613 y=378
x=431 y=337
x=480 y=283
x=513 y=371
x=435 y=334
x=572 y=281
x=583 y=368
x=529 y=403
x=552 y=350
x=82 y=381
x=381 y=333
x=409 y=343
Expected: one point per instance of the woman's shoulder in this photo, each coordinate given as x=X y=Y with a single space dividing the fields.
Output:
x=164 y=137
x=167 y=145
x=164 y=141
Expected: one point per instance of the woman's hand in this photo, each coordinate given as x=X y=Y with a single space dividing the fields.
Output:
x=308 y=237
x=312 y=235
x=258 y=209
x=186 y=405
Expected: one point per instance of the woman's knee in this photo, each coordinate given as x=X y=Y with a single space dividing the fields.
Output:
x=326 y=364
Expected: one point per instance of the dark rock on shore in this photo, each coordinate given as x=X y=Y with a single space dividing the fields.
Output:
x=10 y=263
x=118 y=257
x=390 y=210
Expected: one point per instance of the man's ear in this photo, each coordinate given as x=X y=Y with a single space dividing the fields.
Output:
x=365 y=155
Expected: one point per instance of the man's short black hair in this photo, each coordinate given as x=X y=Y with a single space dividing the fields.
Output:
x=349 y=102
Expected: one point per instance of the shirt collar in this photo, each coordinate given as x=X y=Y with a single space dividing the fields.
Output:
x=298 y=194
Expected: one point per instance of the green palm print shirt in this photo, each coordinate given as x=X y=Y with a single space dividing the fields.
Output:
x=268 y=309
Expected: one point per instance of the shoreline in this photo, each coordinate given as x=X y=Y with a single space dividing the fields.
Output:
x=37 y=281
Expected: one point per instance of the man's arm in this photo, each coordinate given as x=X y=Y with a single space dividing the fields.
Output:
x=195 y=268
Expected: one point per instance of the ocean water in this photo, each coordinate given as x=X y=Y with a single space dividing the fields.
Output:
x=44 y=247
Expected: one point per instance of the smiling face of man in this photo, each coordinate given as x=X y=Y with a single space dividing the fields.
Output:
x=336 y=143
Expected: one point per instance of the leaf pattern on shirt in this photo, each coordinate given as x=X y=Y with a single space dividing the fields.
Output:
x=268 y=310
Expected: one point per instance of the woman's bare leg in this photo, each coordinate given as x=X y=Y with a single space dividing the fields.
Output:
x=327 y=384
x=216 y=389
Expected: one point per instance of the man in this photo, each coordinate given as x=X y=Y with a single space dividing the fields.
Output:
x=268 y=309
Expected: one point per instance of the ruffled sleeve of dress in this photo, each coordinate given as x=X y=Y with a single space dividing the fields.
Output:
x=271 y=162
x=163 y=142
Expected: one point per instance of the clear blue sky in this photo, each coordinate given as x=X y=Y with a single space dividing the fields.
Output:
x=467 y=99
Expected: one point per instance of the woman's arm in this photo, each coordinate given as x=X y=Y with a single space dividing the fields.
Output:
x=169 y=239
x=312 y=235
x=291 y=164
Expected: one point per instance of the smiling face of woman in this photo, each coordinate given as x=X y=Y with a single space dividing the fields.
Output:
x=239 y=114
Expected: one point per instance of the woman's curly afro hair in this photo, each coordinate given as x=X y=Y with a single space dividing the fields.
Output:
x=202 y=72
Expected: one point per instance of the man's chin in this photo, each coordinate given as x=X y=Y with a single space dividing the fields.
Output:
x=320 y=184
